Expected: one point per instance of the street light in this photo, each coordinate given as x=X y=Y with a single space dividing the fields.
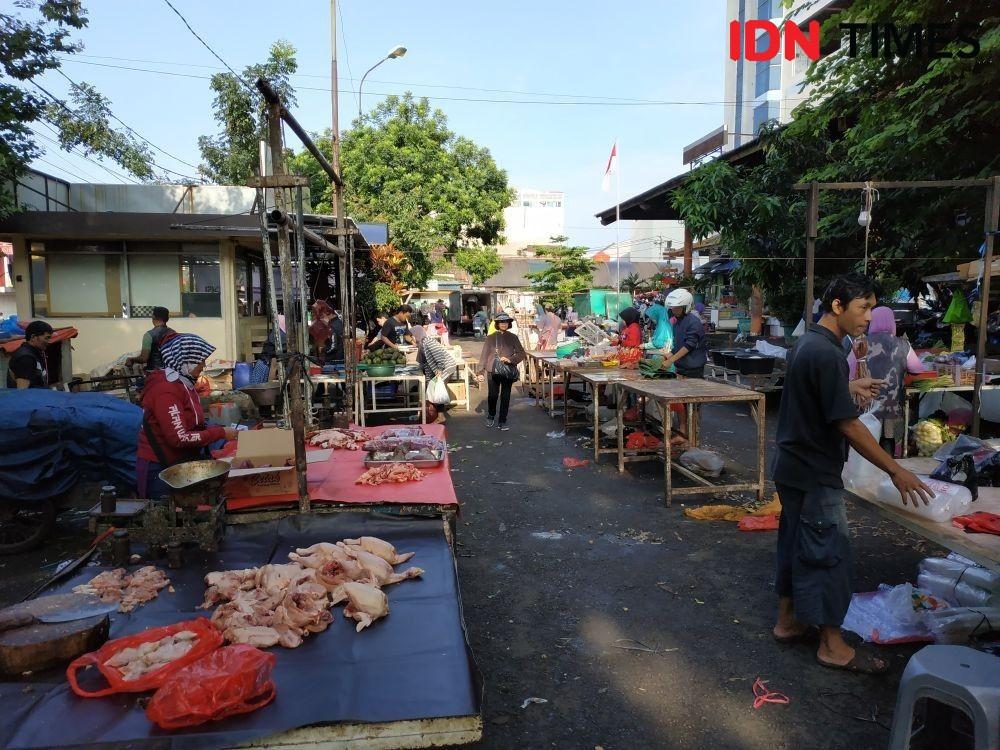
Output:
x=397 y=51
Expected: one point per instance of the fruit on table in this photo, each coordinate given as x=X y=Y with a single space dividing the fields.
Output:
x=385 y=356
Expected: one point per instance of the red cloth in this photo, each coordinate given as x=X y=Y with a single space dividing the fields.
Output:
x=759 y=523
x=631 y=336
x=11 y=345
x=980 y=522
x=177 y=420
x=332 y=481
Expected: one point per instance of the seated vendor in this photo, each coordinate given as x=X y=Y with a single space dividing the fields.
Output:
x=173 y=423
x=152 y=340
x=29 y=367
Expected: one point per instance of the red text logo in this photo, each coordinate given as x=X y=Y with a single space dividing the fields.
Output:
x=744 y=41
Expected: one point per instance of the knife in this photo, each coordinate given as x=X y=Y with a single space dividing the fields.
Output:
x=20 y=619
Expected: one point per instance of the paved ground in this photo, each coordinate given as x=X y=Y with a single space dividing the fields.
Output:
x=638 y=626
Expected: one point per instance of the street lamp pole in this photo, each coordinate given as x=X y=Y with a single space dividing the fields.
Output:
x=397 y=51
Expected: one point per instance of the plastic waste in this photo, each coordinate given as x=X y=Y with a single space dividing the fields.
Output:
x=958 y=624
x=949 y=499
x=960 y=593
x=958 y=569
x=701 y=461
x=437 y=391
x=892 y=614
x=770 y=350
x=859 y=472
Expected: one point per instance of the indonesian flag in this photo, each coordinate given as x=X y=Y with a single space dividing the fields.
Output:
x=610 y=169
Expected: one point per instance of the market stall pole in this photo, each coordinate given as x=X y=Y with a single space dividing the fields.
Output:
x=992 y=223
x=692 y=392
x=983 y=549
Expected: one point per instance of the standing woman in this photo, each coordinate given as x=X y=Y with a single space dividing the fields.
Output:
x=630 y=336
x=173 y=423
x=502 y=353
x=436 y=361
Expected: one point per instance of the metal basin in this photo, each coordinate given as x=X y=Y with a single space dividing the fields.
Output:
x=263 y=394
x=194 y=483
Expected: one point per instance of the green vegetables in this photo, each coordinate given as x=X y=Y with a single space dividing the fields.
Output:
x=651 y=367
x=384 y=356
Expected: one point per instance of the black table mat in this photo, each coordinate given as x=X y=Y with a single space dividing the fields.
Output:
x=413 y=664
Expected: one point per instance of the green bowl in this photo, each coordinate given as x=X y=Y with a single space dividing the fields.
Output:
x=381 y=371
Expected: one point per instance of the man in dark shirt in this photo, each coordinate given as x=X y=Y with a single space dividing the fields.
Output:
x=152 y=340
x=689 y=352
x=396 y=328
x=817 y=420
x=29 y=367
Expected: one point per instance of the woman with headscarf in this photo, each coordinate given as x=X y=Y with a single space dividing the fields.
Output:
x=435 y=360
x=321 y=332
x=173 y=423
x=889 y=358
x=663 y=331
x=505 y=347
x=629 y=337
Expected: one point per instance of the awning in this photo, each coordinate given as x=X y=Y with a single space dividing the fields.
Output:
x=11 y=345
x=717 y=266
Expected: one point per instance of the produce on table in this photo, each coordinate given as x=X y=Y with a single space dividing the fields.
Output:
x=384 y=356
x=652 y=367
x=929 y=435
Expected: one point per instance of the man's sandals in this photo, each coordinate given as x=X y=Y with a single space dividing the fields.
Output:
x=863 y=662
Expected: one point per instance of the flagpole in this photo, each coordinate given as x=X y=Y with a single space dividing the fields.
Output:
x=618 y=222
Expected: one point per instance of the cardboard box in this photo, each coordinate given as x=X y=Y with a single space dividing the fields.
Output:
x=270 y=453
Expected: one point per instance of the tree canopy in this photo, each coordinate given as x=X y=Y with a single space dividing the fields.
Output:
x=569 y=271
x=480 y=262
x=32 y=37
x=232 y=156
x=906 y=118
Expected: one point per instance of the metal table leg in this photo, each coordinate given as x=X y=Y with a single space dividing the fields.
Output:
x=620 y=430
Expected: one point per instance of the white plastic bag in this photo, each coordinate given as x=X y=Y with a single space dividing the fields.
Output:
x=770 y=350
x=958 y=624
x=949 y=500
x=859 y=473
x=892 y=614
x=437 y=391
x=701 y=461
x=960 y=593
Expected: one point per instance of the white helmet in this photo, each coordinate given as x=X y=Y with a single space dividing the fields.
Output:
x=679 y=298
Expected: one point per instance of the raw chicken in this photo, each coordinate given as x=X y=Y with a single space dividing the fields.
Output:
x=379 y=570
x=337 y=572
x=254 y=635
x=365 y=602
x=390 y=473
x=276 y=580
x=223 y=586
x=379 y=547
x=133 y=663
x=129 y=590
x=351 y=440
x=318 y=555
x=107 y=585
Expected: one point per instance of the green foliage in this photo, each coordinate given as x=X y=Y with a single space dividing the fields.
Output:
x=372 y=297
x=480 y=262
x=232 y=156
x=31 y=42
x=909 y=118
x=569 y=271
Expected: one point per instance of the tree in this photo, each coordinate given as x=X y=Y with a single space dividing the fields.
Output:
x=402 y=165
x=233 y=156
x=480 y=262
x=569 y=271
x=867 y=118
x=30 y=46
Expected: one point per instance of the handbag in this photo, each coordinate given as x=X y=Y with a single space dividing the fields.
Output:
x=503 y=370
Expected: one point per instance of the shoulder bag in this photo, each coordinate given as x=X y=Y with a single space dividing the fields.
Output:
x=503 y=370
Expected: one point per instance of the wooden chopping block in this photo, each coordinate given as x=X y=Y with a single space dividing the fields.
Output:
x=44 y=645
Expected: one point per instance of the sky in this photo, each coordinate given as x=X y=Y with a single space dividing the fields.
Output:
x=588 y=69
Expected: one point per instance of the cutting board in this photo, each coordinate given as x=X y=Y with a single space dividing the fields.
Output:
x=44 y=645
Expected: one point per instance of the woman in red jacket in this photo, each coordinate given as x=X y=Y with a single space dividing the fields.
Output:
x=173 y=423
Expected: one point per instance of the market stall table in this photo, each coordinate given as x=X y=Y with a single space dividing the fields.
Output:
x=409 y=680
x=909 y=393
x=594 y=380
x=400 y=377
x=759 y=383
x=542 y=373
x=983 y=549
x=692 y=392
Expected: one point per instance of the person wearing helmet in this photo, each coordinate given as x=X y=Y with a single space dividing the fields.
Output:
x=689 y=351
x=505 y=347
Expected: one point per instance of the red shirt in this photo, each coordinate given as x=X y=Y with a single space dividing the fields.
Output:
x=176 y=419
x=631 y=336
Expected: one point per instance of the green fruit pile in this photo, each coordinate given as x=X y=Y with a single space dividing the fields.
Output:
x=384 y=356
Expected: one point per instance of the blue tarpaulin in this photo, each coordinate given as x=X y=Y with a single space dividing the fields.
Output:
x=50 y=440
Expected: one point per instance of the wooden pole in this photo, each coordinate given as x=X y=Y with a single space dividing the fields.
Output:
x=688 y=243
x=756 y=311
x=296 y=405
x=992 y=220
x=812 y=220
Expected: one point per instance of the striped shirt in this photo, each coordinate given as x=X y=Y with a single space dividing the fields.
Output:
x=434 y=358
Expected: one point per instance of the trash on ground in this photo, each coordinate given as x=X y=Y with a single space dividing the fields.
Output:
x=556 y=434
x=732 y=512
x=575 y=463
x=529 y=701
x=762 y=695
x=892 y=614
x=701 y=461
x=547 y=535
x=759 y=523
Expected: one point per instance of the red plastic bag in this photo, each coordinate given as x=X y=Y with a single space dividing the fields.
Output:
x=208 y=639
x=574 y=463
x=642 y=441
x=232 y=680
x=759 y=523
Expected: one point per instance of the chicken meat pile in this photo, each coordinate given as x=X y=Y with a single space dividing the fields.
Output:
x=283 y=604
x=133 y=663
x=396 y=473
x=351 y=440
x=128 y=590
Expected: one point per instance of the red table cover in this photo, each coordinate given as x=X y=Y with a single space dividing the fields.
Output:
x=333 y=481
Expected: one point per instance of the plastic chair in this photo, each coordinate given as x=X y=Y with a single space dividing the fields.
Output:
x=957 y=676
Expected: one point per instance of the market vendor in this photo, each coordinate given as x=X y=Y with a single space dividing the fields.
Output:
x=818 y=418
x=396 y=329
x=29 y=367
x=630 y=336
x=375 y=332
x=265 y=366
x=152 y=341
x=173 y=423
x=689 y=351
x=435 y=360
x=320 y=331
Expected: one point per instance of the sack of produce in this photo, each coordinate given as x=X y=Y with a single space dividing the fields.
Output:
x=232 y=680
x=141 y=662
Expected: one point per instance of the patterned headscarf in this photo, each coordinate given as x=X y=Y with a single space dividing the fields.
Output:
x=418 y=334
x=183 y=352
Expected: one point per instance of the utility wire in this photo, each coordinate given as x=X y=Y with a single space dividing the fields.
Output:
x=343 y=38
x=56 y=143
x=61 y=169
x=138 y=135
x=207 y=46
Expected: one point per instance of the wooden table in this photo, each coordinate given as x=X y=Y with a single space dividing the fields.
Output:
x=759 y=383
x=980 y=548
x=693 y=392
x=404 y=378
x=909 y=393
x=542 y=374
x=465 y=367
x=593 y=380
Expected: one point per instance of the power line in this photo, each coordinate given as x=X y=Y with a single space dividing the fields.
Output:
x=138 y=135
x=615 y=103
x=206 y=46
x=61 y=169
x=343 y=38
x=56 y=143
x=120 y=176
